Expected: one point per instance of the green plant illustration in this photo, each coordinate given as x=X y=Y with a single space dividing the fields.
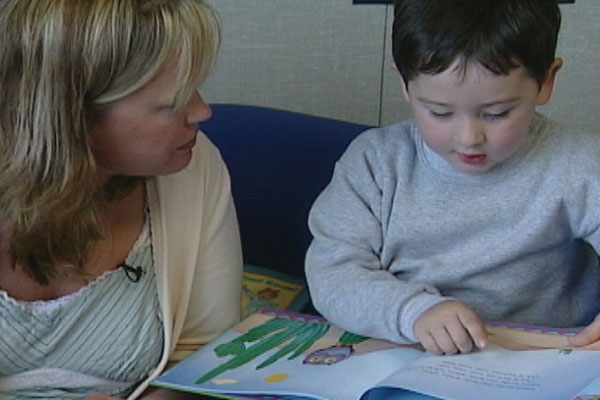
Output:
x=349 y=338
x=295 y=336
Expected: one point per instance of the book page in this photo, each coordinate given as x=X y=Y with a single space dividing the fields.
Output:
x=499 y=374
x=590 y=392
x=297 y=356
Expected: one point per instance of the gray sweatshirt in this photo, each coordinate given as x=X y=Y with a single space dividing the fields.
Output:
x=399 y=230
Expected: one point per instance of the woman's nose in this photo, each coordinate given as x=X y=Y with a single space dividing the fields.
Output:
x=197 y=109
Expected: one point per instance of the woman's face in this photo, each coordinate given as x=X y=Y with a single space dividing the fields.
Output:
x=142 y=134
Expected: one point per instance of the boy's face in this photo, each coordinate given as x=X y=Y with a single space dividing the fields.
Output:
x=474 y=118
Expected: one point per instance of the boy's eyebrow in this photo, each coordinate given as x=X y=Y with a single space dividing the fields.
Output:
x=491 y=103
x=433 y=103
x=503 y=101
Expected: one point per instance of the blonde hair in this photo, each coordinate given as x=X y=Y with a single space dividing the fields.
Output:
x=61 y=62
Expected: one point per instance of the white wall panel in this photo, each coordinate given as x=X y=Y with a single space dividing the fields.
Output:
x=321 y=57
x=576 y=98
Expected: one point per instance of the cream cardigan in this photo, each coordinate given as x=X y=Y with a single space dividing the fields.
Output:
x=197 y=252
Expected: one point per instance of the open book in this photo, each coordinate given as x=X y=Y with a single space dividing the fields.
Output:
x=296 y=356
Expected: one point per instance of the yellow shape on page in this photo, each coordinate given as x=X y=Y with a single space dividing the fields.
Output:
x=276 y=377
x=231 y=381
x=224 y=381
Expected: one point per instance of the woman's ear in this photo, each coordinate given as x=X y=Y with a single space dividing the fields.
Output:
x=548 y=84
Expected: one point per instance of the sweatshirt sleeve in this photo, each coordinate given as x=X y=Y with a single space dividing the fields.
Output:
x=580 y=182
x=347 y=281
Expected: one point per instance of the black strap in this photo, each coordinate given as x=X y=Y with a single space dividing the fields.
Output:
x=134 y=274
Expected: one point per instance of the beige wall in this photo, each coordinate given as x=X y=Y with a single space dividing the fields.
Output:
x=332 y=58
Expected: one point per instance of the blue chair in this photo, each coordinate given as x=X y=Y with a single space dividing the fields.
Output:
x=279 y=161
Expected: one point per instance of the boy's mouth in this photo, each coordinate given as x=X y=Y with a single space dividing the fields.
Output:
x=472 y=159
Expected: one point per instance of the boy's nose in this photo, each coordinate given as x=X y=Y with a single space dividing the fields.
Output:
x=198 y=109
x=470 y=133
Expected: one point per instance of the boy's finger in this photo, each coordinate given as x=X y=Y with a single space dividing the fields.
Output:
x=479 y=336
x=445 y=341
x=590 y=334
x=474 y=326
x=429 y=344
x=460 y=337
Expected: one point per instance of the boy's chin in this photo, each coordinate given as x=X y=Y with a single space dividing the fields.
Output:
x=472 y=168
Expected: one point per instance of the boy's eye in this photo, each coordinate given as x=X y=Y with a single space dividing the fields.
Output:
x=437 y=114
x=500 y=115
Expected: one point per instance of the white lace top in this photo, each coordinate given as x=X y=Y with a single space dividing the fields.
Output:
x=105 y=337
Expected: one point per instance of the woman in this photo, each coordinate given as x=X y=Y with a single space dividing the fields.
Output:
x=118 y=236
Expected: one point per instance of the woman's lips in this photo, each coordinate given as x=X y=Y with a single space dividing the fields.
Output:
x=188 y=145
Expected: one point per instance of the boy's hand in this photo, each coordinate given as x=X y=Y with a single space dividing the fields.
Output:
x=590 y=334
x=450 y=327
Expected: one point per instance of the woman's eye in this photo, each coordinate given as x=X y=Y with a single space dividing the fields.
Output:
x=169 y=108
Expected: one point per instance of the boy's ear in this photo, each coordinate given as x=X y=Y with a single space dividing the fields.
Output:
x=404 y=89
x=548 y=84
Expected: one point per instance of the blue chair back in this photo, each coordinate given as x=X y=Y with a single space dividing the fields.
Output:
x=279 y=161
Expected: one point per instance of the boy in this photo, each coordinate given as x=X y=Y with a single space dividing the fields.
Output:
x=479 y=208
